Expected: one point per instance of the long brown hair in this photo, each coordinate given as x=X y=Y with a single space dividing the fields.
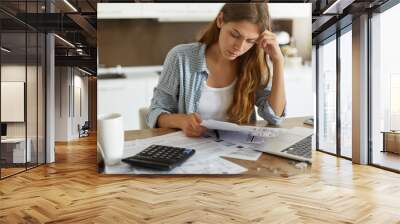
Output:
x=253 y=67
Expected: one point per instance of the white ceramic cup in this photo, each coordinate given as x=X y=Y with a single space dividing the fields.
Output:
x=110 y=137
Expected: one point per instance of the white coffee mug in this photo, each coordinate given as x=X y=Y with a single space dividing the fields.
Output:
x=110 y=137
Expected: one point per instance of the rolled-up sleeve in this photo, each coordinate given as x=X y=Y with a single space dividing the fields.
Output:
x=264 y=109
x=165 y=94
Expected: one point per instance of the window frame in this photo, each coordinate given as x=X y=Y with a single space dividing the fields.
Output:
x=334 y=37
x=379 y=10
x=334 y=32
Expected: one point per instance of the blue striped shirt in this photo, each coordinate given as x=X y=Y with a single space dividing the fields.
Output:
x=180 y=83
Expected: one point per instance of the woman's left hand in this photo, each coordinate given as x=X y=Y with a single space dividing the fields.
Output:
x=267 y=41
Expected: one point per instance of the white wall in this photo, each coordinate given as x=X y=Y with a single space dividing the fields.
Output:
x=67 y=117
x=33 y=126
x=14 y=73
x=61 y=103
x=12 y=101
x=299 y=91
x=302 y=29
x=17 y=73
x=126 y=96
x=79 y=117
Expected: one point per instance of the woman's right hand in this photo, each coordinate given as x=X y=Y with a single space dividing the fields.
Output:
x=190 y=125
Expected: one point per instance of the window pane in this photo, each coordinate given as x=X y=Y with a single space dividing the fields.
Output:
x=327 y=97
x=385 y=87
x=22 y=89
x=41 y=98
x=31 y=97
x=14 y=150
x=346 y=94
x=32 y=88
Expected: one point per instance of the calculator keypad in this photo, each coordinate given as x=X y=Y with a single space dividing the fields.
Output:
x=160 y=157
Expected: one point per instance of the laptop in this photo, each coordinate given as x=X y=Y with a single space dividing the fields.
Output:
x=294 y=143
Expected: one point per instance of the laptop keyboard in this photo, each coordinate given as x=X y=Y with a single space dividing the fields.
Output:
x=301 y=148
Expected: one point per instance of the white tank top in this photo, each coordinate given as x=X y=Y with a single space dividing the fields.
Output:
x=215 y=102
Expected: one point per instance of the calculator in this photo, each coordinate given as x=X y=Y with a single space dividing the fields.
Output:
x=160 y=157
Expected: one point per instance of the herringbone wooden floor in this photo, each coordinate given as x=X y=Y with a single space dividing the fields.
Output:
x=71 y=191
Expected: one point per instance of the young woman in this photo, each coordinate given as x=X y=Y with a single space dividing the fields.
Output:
x=224 y=75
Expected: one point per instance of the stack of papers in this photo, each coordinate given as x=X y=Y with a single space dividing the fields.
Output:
x=234 y=141
x=214 y=165
x=206 y=160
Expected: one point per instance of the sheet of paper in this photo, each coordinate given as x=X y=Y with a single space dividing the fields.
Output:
x=231 y=144
x=246 y=154
x=213 y=165
x=240 y=145
x=262 y=131
x=227 y=126
x=220 y=125
x=206 y=160
x=209 y=150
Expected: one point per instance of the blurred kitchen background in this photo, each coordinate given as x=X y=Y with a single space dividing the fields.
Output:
x=133 y=40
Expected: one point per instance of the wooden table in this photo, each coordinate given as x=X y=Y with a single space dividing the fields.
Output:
x=391 y=141
x=13 y=152
x=266 y=165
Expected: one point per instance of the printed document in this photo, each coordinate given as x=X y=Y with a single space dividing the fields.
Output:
x=206 y=160
x=253 y=130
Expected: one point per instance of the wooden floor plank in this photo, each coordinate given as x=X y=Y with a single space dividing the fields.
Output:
x=71 y=191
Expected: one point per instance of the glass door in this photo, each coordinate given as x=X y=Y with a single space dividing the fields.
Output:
x=22 y=77
x=327 y=96
x=385 y=89
x=346 y=93
x=14 y=154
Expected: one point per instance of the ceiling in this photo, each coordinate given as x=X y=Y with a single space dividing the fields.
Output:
x=76 y=22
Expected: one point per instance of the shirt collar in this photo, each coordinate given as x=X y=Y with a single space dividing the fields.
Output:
x=202 y=65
